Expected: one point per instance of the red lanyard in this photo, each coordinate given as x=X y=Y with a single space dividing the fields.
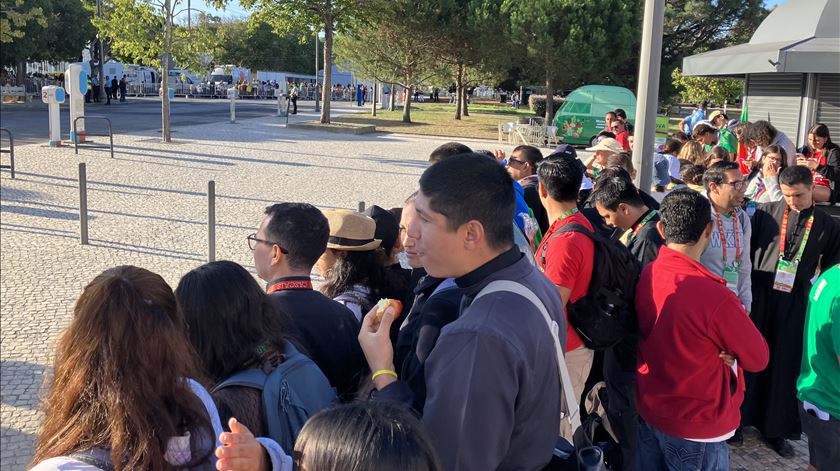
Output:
x=723 y=236
x=290 y=284
x=782 y=237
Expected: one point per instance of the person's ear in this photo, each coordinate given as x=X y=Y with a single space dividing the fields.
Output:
x=543 y=192
x=660 y=229
x=277 y=255
x=473 y=234
x=707 y=232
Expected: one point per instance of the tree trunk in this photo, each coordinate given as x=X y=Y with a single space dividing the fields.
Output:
x=407 y=105
x=392 y=98
x=166 y=131
x=549 y=100
x=325 y=89
x=21 y=73
x=459 y=88
x=373 y=91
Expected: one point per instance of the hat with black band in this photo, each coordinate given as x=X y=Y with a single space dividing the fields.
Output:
x=351 y=231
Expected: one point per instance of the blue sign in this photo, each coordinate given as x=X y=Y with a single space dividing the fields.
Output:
x=59 y=94
x=83 y=78
x=171 y=93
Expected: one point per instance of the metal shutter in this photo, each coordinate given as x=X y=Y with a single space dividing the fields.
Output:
x=776 y=98
x=828 y=102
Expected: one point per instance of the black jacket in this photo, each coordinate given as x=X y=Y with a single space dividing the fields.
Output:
x=831 y=169
x=532 y=199
x=328 y=332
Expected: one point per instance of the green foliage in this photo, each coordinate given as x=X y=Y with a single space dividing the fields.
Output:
x=537 y=104
x=716 y=90
x=59 y=33
x=254 y=44
x=15 y=16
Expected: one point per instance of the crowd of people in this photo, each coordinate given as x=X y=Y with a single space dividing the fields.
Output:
x=524 y=280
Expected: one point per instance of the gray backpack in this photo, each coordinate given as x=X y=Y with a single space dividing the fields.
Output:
x=291 y=393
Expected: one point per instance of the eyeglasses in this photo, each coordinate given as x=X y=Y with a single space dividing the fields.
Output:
x=737 y=184
x=518 y=162
x=253 y=239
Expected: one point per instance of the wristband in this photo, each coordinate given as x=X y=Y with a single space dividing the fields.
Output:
x=383 y=372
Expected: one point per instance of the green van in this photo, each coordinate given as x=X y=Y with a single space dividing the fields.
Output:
x=581 y=117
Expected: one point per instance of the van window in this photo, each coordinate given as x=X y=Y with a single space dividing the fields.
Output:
x=601 y=109
x=607 y=97
x=577 y=107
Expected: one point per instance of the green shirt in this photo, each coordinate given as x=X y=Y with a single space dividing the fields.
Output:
x=727 y=140
x=819 y=377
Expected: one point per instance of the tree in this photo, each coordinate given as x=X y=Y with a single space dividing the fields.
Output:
x=571 y=42
x=395 y=48
x=695 y=26
x=307 y=17
x=144 y=31
x=14 y=16
x=255 y=45
x=716 y=90
x=61 y=36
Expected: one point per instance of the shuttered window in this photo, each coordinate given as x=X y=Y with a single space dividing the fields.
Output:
x=778 y=99
x=828 y=102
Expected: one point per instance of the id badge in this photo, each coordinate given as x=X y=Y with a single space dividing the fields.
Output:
x=730 y=274
x=785 y=276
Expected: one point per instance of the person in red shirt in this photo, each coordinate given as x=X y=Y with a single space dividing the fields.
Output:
x=695 y=341
x=566 y=258
x=619 y=128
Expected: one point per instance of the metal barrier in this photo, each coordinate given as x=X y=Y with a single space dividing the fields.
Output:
x=76 y=134
x=10 y=151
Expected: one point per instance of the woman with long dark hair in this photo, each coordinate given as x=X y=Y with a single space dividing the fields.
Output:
x=823 y=157
x=125 y=393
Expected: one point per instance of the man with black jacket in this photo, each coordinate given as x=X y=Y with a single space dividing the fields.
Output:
x=289 y=241
x=619 y=202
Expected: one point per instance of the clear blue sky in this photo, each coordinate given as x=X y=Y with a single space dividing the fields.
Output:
x=235 y=10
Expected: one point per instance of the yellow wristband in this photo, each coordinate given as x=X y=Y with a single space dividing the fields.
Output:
x=383 y=372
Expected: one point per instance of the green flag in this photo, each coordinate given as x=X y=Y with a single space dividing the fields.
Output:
x=745 y=114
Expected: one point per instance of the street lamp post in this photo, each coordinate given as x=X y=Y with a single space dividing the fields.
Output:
x=317 y=98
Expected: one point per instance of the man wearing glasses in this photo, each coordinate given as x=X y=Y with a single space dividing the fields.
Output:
x=522 y=167
x=290 y=239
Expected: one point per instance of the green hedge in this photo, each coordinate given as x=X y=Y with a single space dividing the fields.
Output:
x=537 y=104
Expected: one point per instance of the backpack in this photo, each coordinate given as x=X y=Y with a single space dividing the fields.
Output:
x=291 y=393
x=606 y=314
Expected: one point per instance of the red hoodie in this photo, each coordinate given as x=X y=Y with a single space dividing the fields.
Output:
x=687 y=316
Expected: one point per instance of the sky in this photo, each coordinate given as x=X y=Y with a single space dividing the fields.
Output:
x=235 y=10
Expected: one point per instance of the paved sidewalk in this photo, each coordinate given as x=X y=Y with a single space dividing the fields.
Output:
x=148 y=208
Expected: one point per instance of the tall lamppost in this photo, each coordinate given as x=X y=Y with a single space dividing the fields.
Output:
x=317 y=97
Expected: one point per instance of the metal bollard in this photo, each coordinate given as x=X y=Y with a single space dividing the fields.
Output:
x=232 y=93
x=83 y=209
x=361 y=206
x=211 y=221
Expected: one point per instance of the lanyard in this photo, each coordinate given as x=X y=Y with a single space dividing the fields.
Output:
x=290 y=284
x=640 y=225
x=567 y=214
x=808 y=227
x=723 y=236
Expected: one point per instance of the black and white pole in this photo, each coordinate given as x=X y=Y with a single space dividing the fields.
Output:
x=211 y=221
x=83 y=206
x=361 y=206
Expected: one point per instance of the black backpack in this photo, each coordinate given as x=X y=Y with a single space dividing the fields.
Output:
x=606 y=314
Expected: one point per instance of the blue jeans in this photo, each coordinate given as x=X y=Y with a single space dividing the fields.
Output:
x=656 y=450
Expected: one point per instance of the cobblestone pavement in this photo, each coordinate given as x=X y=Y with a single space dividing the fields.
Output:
x=148 y=207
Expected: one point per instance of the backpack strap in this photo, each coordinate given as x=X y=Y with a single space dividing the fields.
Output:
x=252 y=378
x=570 y=227
x=572 y=405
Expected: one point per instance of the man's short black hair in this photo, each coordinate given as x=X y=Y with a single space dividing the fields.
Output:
x=561 y=176
x=796 y=174
x=621 y=113
x=299 y=228
x=685 y=215
x=447 y=150
x=530 y=154
x=717 y=173
x=472 y=187
x=615 y=190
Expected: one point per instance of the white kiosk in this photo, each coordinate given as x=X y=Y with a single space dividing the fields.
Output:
x=54 y=96
x=75 y=78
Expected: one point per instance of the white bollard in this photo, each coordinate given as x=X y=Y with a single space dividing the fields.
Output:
x=232 y=94
x=76 y=79
x=54 y=96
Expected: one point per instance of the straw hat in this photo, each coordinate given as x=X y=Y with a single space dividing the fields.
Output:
x=351 y=231
x=608 y=144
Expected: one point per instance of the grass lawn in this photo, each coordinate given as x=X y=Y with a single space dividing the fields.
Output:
x=438 y=119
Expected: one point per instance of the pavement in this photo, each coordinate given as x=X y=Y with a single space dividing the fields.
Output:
x=148 y=207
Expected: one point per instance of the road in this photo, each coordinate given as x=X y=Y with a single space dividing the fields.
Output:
x=29 y=123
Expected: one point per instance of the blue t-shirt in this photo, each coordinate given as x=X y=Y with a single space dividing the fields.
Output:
x=692 y=120
x=521 y=206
